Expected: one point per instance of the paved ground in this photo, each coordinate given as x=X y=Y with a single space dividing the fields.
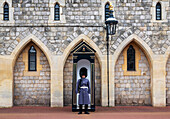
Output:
x=100 y=113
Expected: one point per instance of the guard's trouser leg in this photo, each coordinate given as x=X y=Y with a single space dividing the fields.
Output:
x=80 y=109
x=86 y=109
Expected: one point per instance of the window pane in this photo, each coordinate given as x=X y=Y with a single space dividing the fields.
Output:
x=57 y=12
x=6 y=5
x=56 y=18
x=107 y=11
x=107 y=5
x=6 y=12
x=32 y=49
x=32 y=59
x=6 y=19
x=131 y=58
x=158 y=11
x=32 y=66
x=57 y=6
x=32 y=56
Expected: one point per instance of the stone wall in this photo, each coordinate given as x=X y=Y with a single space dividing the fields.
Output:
x=132 y=90
x=68 y=72
x=168 y=82
x=68 y=79
x=32 y=89
x=84 y=17
x=31 y=11
x=97 y=83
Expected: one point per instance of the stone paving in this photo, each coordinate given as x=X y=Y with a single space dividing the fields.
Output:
x=101 y=112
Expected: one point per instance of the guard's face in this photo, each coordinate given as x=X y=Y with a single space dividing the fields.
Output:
x=83 y=76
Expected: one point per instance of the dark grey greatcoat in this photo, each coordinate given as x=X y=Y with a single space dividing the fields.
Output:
x=84 y=92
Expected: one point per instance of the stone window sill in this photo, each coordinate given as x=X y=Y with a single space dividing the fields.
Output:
x=7 y=22
x=31 y=73
x=53 y=22
x=132 y=73
x=160 y=21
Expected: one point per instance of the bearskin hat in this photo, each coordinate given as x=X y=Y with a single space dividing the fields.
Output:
x=83 y=71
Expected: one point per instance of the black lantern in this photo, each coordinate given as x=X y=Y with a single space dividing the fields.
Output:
x=111 y=23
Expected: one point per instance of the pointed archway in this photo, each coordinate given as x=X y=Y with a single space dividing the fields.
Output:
x=100 y=64
x=32 y=77
x=27 y=40
x=132 y=77
x=145 y=48
x=28 y=84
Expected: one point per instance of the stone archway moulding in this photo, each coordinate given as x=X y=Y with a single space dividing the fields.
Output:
x=56 y=80
x=114 y=57
x=27 y=40
x=46 y=51
x=101 y=58
x=6 y=71
x=158 y=63
x=147 y=50
x=55 y=63
x=76 y=41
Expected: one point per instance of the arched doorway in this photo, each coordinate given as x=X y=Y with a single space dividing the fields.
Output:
x=32 y=78
x=83 y=53
x=67 y=81
x=68 y=77
x=132 y=77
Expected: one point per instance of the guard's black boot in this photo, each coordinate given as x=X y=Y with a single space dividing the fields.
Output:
x=80 y=111
x=86 y=109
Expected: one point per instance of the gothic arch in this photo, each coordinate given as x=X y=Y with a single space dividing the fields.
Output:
x=20 y=47
x=101 y=58
x=24 y=42
x=76 y=41
x=146 y=49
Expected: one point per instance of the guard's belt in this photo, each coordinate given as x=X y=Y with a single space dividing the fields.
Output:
x=84 y=87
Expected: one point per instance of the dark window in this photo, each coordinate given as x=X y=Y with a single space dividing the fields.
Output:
x=32 y=59
x=107 y=11
x=57 y=12
x=6 y=12
x=131 y=58
x=158 y=11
